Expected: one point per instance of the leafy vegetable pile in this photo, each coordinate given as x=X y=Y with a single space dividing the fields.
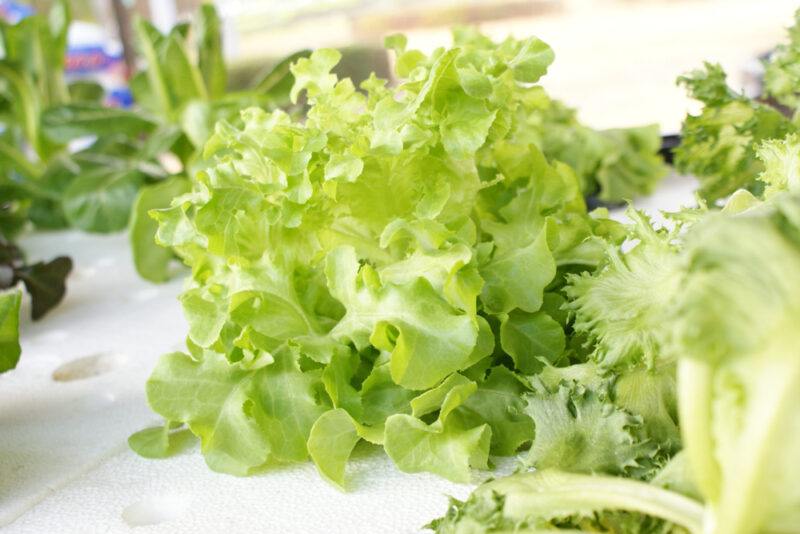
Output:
x=385 y=270
x=726 y=294
x=719 y=145
x=682 y=418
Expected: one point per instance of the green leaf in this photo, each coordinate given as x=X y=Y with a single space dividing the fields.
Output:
x=415 y=446
x=46 y=283
x=577 y=431
x=182 y=78
x=100 y=200
x=151 y=260
x=246 y=417
x=621 y=305
x=312 y=74
x=532 y=60
x=148 y=39
x=426 y=337
x=498 y=402
x=516 y=278
x=9 y=329
x=27 y=105
x=330 y=443
x=64 y=123
x=210 y=54
x=159 y=441
x=527 y=337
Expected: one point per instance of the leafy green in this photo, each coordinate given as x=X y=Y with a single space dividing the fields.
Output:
x=620 y=306
x=9 y=329
x=712 y=344
x=159 y=441
x=128 y=157
x=551 y=501
x=148 y=257
x=719 y=145
x=578 y=431
x=781 y=75
x=44 y=281
x=396 y=257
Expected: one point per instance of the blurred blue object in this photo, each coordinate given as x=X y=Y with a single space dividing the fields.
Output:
x=13 y=12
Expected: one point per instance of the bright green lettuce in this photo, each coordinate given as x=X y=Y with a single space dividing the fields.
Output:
x=386 y=270
x=713 y=347
x=9 y=329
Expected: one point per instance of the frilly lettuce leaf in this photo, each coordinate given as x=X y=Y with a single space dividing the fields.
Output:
x=578 y=431
x=619 y=307
x=781 y=160
x=782 y=69
x=719 y=145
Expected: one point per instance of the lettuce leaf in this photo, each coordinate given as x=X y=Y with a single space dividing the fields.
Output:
x=9 y=329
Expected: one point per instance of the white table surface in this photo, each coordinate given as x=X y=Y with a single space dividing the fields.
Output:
x=78 y=393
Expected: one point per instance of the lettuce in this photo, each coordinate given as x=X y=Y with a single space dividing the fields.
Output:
x=714 y=341
x=386 y=270
x=719 y=146
x=9 y=329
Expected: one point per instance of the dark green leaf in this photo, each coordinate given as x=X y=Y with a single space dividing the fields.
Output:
x=46 y=283
x=530 y=336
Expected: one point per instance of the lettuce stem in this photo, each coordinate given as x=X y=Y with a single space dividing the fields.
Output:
x=695 y=411
x=741 y=508
x=548 y=492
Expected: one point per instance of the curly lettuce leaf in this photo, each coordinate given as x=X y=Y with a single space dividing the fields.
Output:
x=619 y=307
x=718 y=146
x=782 y=69
x=781 y=160
x=578 y=431
x=383 y=270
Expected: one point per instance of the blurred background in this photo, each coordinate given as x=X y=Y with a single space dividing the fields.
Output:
x=616 y=60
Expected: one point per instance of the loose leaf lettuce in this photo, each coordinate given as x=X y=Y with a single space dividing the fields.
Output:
x=386 y=269
x=725 y=318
